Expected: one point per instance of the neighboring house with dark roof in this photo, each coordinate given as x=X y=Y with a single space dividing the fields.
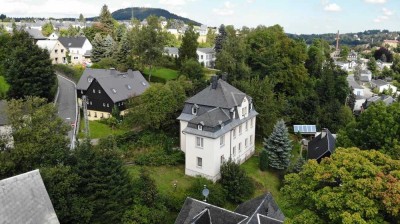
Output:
x=216 y=124
x=387 y=100
x=382 y=85
x=323 y=145
x=171 y=51
x=260 y=210
x=35 y=34
x=106 y=88
x=6 y=139
x=24 y=199
x=58 y=53
x=206 y=56
x=78 y=48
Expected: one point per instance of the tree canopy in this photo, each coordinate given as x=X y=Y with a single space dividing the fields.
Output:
x=352 y=186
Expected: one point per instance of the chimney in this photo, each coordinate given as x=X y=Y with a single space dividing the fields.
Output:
x=323 y=133
x=214 y=82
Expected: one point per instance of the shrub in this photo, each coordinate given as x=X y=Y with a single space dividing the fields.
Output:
x=217 y=194
x=159 y=157
x=74 y=73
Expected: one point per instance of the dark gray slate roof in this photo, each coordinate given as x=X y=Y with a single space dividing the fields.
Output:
x=195 y=211
x=353 y=84
x=24 y=199
x=118 y=86
x=171 y=50
x=3 y=113
x=264 y=205
x=320 y=145
x=374 y=99
x=35 y=34
x=379 y=82
x=211 y=118
x=206 y=50
x=267 y=220
x=72 y=42
x=225 y=96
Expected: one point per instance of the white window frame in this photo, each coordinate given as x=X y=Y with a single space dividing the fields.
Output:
x=99 y=91
x=199 y=162
x=199 y=127
x=246 y=143
x=222 y=141
x=222 y=160
x=94 y=91
x=194 y=110
x=240 y=147
x=234 y=150
x=199 y=142
x=234 y=132
x=240 y=129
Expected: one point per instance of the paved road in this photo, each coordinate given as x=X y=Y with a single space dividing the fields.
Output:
x=66 y=104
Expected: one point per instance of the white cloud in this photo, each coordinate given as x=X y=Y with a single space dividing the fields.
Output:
x=173 y=2
x=332 y=7
x=250 y=1
x=226 y=10
x=375 y=1
x=387 y=12
x=381 y=19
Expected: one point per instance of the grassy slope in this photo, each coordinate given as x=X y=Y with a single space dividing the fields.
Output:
x=99 y=130
x=164 y=73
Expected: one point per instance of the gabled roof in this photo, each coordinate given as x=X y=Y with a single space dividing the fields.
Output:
x=47 y=44
x=321 y=144
x=118 y=86
x=224 y=96
x=262 y=205
x=379 y=82
x=171 y=50
x=262 y=219
x=353 y=84
x=35 y=34
x=211 y=118
x=72 y=42
x=24 y=199
x=384 y=98
x=194 y=211
x=3 y=112
x=206 y=50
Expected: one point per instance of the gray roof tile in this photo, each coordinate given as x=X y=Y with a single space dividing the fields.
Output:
x=24 y=199
x=211 y=118
x=72 y=42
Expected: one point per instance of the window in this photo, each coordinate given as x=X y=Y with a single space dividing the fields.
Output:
x=88 y=114
x=240 y=129
x=199 y=162
x=56 y=59
x=81 y=91
x=104 y=104
x=114 y=90
x=194 y=109
x=90 y=102
x=245 y=143
x=108 y=105
x=99 y=91
x=244 y=111
x=240 y=147
x=55 y=51
x=122 y=103
x=251 y=139
x=234 y=115
x=247 y=125
x=94 y=91
x=222 y=159
x=62 y=50
x=200 y=127
x=234 y=132
x=102 y=115
x=222 y=140
x=201 y=56
x=89 y=79
x=234 y=150
x=95 y=114
x=251 y=122
x=199 y=142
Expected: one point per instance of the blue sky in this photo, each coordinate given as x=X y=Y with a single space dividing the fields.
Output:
x=296 y=16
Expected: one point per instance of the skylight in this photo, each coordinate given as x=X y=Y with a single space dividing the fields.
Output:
x=143 y=83
x=114 y=90
x=129 y=87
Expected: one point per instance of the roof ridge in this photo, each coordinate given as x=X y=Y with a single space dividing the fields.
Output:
x=257 y=208
x=218 y=207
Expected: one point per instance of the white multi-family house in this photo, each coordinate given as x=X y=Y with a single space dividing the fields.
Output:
x=206 y=56
x=357 y=89
x=216 y=124
x=79 y=49
x=57 y=51
x=382 y=85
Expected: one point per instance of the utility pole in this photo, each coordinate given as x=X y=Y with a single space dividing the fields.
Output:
x=337 y=41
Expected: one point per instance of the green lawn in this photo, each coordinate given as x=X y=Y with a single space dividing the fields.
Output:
x=4 y=86
x=98 y=130
x=163 y=73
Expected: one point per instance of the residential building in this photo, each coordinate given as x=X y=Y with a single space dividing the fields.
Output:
x=382 y=85
x=58 y=53
x=387 y=100
x=53 y=36
x=108 y=88
x=391 y=43
x=216 y=124
x=365 y=76
x=171 y=51
x=352 y=56
x=356 y=88
x=260 y=210
x=24 y=199
x=35 y=34
x=78 y=48
x=206 y=57
x=323 y=145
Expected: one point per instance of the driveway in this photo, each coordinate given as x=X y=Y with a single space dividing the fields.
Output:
x=67 y=105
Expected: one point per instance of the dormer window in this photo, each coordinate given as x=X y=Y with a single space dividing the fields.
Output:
x=194 y=109
x=99 y=91
x=94 y=91
x=199 y=127
x=234 y=115
x=89 y=79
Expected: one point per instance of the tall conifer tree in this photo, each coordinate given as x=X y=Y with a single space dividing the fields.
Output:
x=278 y=147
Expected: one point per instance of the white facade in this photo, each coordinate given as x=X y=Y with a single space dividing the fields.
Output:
x=77 y=54
x=204 y=155
x=358 y=91
x=206 y=57
x=387 y=87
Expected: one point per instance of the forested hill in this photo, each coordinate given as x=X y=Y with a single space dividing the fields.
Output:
x=143 y=13
x=352 y=39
